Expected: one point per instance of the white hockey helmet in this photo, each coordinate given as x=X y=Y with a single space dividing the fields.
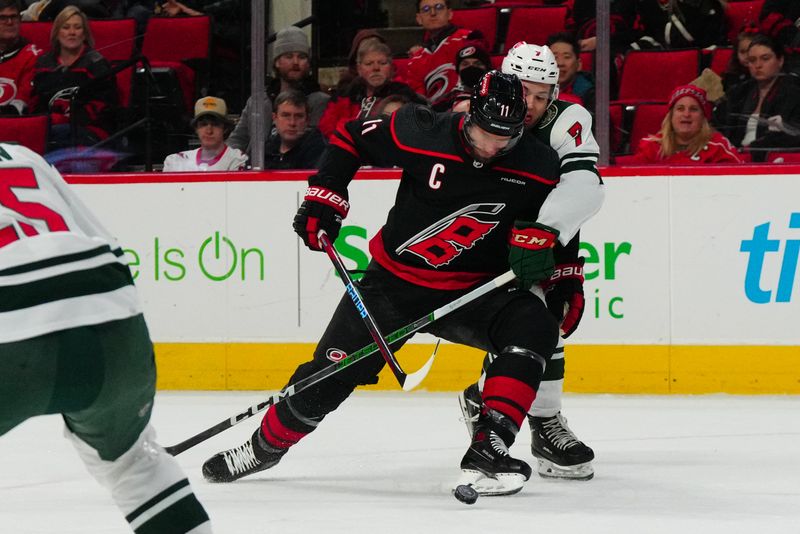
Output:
x=532 y=63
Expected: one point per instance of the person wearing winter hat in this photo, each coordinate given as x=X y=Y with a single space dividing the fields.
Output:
x=472 y=62
x=686 y=137
x=210 y=123
x=292 y=70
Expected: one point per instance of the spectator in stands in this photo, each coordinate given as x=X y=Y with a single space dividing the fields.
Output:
x=294 y=144
x=17 y=61
x=472 y=62
x=582 y=21
x=211 y=124
x=292 y=68
x=764 y=111
x=74 y=84
x=686 y=137
x=362 y=39
x=679 y=23
x=574 y=84
x=738 y=69
x=360 y=98
x=779 y=20
x=431 y=71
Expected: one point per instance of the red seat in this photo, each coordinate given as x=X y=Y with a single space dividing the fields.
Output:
x=737 y=14
x=646 y=121
x=651 y=75
x=719 y=59
x=181 y=44
x=616 y=113
x=497 y=61
x=479 y=18
x=783 y=157
x=534 y=24
x=37 y=33
x=114 y=39
x=28 y=130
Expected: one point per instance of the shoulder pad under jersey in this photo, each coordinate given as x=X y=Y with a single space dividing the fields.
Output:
x=424 y=117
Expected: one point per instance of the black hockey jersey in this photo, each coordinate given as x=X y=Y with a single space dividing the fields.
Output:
x=452 y=216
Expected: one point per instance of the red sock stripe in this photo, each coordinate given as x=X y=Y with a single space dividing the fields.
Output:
x=276 y=433
x=509 y=396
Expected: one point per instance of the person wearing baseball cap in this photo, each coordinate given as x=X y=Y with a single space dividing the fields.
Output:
x=211 y=124
x=686 y=137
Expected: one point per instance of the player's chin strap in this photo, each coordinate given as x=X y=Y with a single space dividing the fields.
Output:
x=305 y=383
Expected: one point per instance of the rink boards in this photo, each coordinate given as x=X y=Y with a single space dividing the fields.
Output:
x=692 y=283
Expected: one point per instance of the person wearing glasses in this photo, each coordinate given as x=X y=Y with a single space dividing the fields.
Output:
x=17 y=61
x=431 y=71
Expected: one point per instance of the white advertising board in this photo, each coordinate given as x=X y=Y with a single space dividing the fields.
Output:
x=670 y=259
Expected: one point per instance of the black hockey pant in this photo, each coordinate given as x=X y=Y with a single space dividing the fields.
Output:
x=505 y=317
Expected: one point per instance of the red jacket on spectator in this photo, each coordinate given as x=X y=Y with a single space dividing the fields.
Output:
x=718 y=150
x=354 y=103
x=431 y=70
x=16 y=74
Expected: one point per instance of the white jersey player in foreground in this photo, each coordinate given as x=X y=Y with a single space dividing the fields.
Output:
x=73 y=342
x=567 y=128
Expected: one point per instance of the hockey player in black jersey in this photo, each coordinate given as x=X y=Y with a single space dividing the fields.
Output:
x=467 y=209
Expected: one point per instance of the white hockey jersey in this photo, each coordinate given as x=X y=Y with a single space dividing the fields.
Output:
x=230 y=159
x=59 y=268
x=567 y=128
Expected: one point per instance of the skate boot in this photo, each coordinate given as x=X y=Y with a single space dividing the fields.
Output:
x=559 y=452
x=471 y=404
x=487 y=468
x=252 y=456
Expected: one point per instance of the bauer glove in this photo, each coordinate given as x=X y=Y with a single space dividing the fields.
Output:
x=322 y=209
x=563 y=293
x=531 y=252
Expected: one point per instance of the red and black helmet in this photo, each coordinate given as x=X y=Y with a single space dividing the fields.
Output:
x=497 y=105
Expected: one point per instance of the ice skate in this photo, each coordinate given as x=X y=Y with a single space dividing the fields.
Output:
x=560 y=454
x=487 y=466
x=471 y=402
x=252 y=456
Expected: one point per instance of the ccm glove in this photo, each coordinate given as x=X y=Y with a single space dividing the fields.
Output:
x=531 y=252
x=322 y=209
x=564 y=295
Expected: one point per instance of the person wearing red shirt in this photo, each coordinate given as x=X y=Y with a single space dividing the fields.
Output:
x=686 y=137
x=17 y=60
x=431 y=71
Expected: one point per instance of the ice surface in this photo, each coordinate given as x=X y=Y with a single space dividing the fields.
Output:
x=385 y=462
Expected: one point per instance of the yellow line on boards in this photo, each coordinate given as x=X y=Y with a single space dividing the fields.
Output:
x=635 y=369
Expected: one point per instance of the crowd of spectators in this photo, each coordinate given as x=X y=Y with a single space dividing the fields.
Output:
x=758 y=111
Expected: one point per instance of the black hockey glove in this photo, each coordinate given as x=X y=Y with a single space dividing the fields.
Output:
x=531 y=252
x=564 y=295
x=322 y=209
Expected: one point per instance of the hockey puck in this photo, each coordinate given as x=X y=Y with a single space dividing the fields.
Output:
x=465 y=494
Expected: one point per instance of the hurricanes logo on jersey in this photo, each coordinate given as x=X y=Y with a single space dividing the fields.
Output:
x=445 y=240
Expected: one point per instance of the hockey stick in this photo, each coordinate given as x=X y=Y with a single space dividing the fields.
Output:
x=347 y=361
x=407 y=382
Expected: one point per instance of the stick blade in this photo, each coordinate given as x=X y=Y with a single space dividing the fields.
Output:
x=415 y=379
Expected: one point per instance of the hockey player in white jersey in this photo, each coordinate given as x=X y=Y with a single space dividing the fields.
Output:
x=567 y=128
x=73 y=342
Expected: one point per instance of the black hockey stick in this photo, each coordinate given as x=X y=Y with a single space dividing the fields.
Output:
x=347 y=361
x=366 y=316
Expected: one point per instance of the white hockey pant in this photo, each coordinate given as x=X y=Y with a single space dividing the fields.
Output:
x=144 y=482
